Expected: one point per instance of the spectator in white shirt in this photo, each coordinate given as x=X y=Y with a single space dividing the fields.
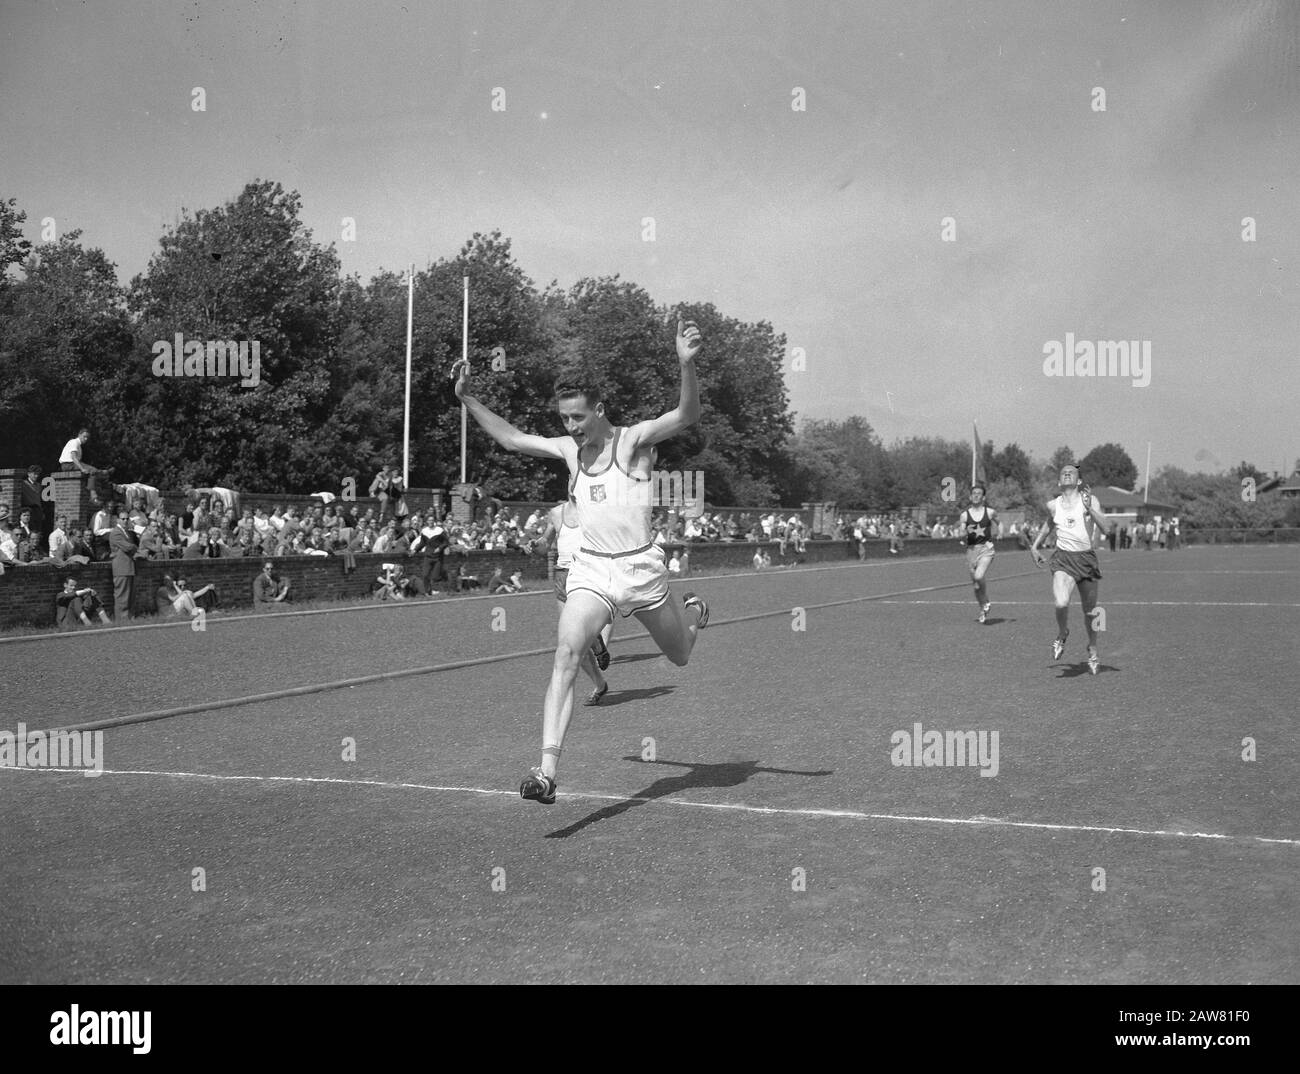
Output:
x=70 y=459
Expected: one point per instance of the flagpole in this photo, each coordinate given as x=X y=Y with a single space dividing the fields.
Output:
x=464 y=355
x=1147 y=484
x=406 y=423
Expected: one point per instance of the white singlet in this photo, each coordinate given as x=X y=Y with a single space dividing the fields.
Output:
x=613 y=506
x=1072 y=533
x=568 y=539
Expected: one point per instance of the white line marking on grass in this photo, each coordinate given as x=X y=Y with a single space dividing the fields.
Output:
x=1112 y=603
x=843 y=814
x=1190 y=570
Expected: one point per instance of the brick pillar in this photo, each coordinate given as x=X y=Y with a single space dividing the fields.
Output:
x=72 y=497
x=11 y=481
x=462 y=506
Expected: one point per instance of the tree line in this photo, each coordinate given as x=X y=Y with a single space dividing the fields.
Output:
x=79 y=349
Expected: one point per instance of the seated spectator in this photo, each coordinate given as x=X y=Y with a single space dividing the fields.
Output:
x=83 y=545
x=261 y=525
x=102 y=525
x=223 y=500
x=73 y=606
x=8 y=547
x=28 y=529
x=268 y=588
x=168 y=538
x=61 y=550
x=151 y=546
x=70 y=459
x=197 y=550
x=315 y=544
x=245 y=528
x=460 y=581
x=266 y=545
x=390 y=585
x=175 y=598
x=219 y=546
x=385 y=540
x=383 y=488
x=675 y=564
x=758 y=560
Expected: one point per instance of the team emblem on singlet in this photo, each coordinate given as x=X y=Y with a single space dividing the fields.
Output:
x=598 y=493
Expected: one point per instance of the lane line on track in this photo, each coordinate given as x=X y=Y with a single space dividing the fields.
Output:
x=544 y=590
x=454 y=665
x=736 y=807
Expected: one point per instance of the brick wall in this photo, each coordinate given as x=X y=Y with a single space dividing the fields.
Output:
x=27 y=593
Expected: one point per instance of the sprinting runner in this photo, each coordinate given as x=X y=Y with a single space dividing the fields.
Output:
x=562 y=531
x=1074 y=562
x=617 y=569
x=978 y=539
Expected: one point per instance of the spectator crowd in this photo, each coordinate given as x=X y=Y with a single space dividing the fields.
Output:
x=133 y=523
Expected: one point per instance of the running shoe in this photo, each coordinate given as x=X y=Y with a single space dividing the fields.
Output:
x=984 y=612
x=690 y=600
x=1094 y=663
x=1058 y=647
x=597 y=696
x=538 y=788
x=601 y=651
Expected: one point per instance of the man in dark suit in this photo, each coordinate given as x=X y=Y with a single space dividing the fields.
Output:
x=42 y=509
x=123 y=545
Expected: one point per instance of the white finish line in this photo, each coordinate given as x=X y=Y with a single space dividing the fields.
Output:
x=843 y=814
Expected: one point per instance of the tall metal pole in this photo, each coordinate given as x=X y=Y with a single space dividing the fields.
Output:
x=406 y=424
x=1147 y=486
x=464 y=354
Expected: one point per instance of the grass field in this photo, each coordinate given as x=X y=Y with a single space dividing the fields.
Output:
x=771 y=838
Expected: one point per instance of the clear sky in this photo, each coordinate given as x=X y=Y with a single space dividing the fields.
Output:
x=1117 y=224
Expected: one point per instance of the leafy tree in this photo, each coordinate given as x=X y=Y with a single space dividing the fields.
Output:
x=1061 y=458
x=506 y=322
x=609 y=332
x=1245 y=469
x=919 y=467
x=1011 y=464
x=13 y=247
x=248 y=271
x=1108 y=464
x=64 y=335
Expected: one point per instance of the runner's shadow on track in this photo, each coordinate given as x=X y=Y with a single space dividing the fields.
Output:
x=1073 y=671
x=632 y=658
x=731 y=774
x=995 y=622
x=622 y=697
